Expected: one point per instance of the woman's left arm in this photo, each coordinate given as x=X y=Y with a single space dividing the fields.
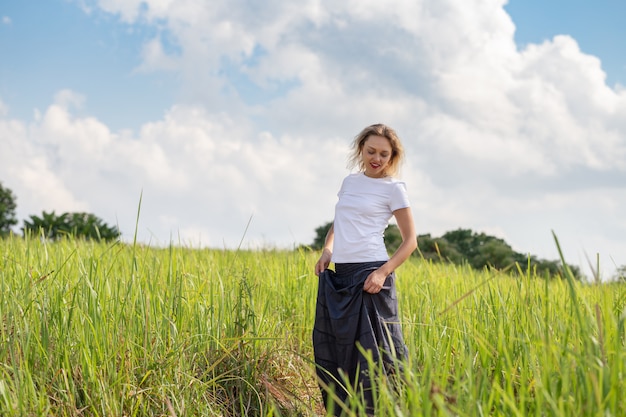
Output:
x=404 y=218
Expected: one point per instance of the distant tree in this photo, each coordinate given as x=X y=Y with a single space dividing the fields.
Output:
x=393 y=238
x=480 y=250
x=550 y=268
x=463 y=246
x=7 y=211
x=538 y=267
x=89 y=226
x=437 y=249
x=81 y=225
x=493 y=252
x=320 y=236
x=49 y=225
x=463 y=241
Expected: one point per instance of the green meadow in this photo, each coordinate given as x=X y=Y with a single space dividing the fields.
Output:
x=95 y=329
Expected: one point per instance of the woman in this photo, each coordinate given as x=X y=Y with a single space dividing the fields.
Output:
x=357 y=308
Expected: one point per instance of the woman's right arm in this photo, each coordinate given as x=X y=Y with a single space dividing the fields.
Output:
x=327 y=252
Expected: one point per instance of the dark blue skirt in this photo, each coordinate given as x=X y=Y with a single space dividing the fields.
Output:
x=350 y=322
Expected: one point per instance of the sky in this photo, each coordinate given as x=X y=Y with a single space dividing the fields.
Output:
x=228 y=123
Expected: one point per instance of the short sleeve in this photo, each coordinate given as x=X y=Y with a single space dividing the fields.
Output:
x=342 y=188
x=399 y=197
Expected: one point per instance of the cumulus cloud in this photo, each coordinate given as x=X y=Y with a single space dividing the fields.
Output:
x=201 y=175
x=499 y=139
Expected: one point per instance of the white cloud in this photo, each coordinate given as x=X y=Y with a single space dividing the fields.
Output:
x=198 y=171
x=26 y=169
x=6 y=20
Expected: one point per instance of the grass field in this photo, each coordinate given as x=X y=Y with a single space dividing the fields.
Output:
x=126 y=330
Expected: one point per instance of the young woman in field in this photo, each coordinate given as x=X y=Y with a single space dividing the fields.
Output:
x=357 y=309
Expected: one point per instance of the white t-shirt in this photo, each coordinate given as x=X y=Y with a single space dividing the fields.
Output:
x=362 y=214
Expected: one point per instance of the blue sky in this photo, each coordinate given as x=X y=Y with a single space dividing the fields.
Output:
x=52 y=45
x=220 y=112
x=597 y=26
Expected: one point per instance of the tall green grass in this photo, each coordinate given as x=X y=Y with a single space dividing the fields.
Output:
x=128 y=330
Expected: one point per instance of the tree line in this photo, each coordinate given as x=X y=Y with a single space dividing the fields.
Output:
x=54 y=226
x=464 y=246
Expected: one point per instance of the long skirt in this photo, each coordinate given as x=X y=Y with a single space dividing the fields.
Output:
x=350 y=325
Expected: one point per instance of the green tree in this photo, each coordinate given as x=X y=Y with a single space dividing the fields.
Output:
x=7 y=211
x=320 y=236
x=463 y=241
x=437 y=249
x=478 y=248
x=393 y=238
x=81 y=225
x=494 y=253
x=543 y=267
x=481 y=250
x=49 y=225
x=460 y=246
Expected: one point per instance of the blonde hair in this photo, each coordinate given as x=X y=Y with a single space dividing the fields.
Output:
x=397 y=150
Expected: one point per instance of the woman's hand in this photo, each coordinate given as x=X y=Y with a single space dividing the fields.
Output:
x=327 y=253
x=323 y=262
x=374 y=282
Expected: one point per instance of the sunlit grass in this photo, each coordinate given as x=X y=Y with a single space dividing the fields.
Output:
x=129 y=330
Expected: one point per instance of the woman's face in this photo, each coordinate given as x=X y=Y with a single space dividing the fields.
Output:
x=376 y=154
